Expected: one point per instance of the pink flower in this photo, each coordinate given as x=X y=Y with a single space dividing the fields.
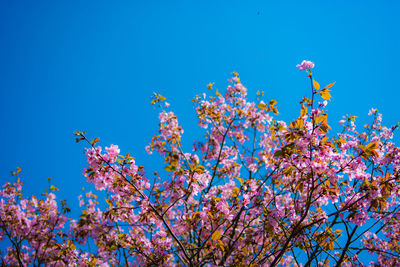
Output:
x=305 y=65
x=323 y=104
x=148 y=150
x=113 y=152
x=372 y=111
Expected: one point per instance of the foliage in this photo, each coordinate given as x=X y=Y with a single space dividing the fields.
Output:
x=255 y=191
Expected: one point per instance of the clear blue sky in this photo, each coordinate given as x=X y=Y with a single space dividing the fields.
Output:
x=93 y=65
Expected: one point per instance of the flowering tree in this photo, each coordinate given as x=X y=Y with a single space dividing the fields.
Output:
x=255 y=191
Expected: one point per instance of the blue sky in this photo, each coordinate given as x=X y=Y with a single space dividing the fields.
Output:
x=93 y=65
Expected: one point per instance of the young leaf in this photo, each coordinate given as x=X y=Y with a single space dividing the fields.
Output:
x=53 y=188
x=331 y=245
x=262 y=105
x=199 y=169
x=109 y=202
x=95 y=141
x=169 y=168
x=316 y=85
x=216 y=235
x=303 y=111
x=299 y=123
x=320 y=119
x=371 y=146
x=325 y=94
x=272 y=103
x=329 y=86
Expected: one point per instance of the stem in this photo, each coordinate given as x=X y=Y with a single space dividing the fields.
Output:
x=219 y=155
x=346 y=247
x=16 y=246
x=297 y=228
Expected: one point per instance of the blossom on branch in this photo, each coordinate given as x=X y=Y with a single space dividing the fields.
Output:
x=254 y=191
x=305 y=65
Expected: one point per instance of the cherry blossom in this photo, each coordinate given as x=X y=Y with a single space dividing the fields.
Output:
x=254 y=191
x=305 y=65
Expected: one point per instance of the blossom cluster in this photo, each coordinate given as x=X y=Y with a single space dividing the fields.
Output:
x=255 y=191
